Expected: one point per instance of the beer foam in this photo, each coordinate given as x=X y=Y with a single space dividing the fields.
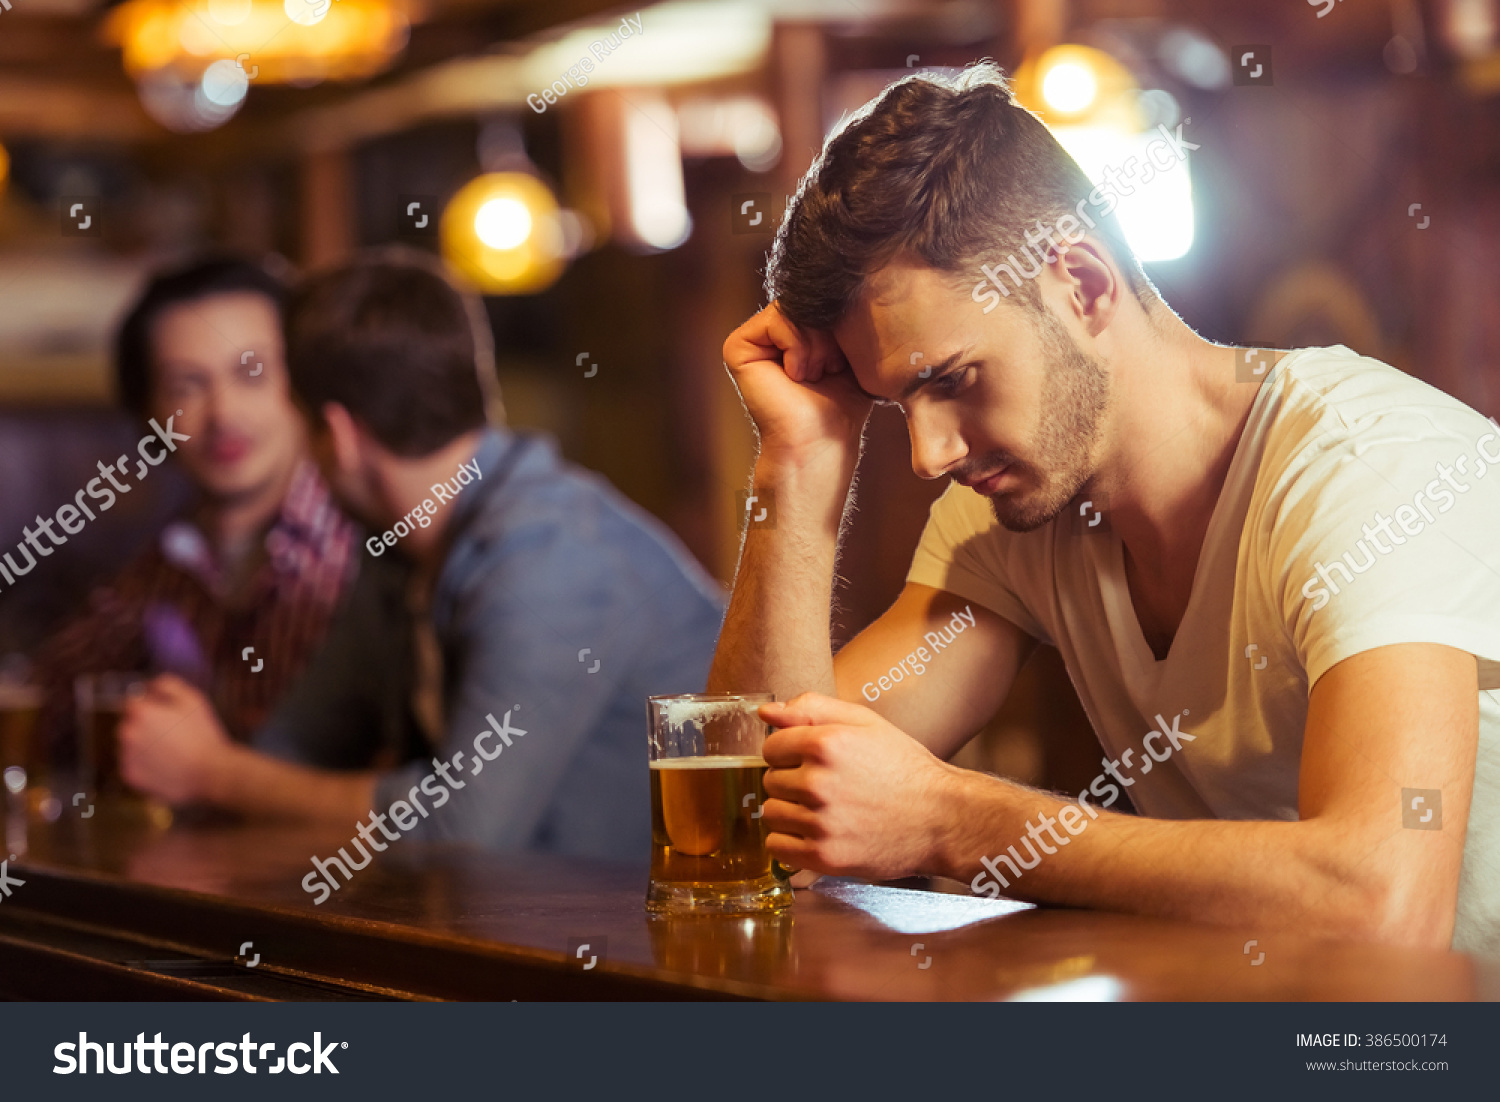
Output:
x=677 y=714
x=718 y=761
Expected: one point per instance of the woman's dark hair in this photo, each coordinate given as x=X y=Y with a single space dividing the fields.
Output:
x=390 y=339
x=949 y=169
x=205 y=277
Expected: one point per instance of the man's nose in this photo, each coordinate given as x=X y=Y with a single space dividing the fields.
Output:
x=935 y=448
x=220 y=403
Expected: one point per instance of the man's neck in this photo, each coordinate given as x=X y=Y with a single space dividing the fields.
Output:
x=233 y=524
x=1180 y=414
x=408 y=485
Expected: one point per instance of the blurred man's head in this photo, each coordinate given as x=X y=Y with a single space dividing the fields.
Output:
x=886 y=246
x=206 y=339
x=393 y=363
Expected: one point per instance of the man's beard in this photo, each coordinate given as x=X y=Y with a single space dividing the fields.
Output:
x=1074 y=399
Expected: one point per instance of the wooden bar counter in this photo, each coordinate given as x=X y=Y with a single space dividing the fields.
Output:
x=114 y=908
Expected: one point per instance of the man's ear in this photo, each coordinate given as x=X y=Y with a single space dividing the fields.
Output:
x=1094 y=284
x=341 y=439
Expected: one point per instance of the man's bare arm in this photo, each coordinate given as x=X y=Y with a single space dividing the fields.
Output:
x=961 y=683
x=1399 y=716
x=172 y=746
x=1402 y=716
x=776 y=634
x=809 y=418
x=266 y=787
x=1395 y=717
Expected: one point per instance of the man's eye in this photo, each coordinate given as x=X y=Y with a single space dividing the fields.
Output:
x=950 y=383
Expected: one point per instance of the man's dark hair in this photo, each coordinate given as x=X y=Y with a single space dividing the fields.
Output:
x=390 y=339
x=948 y=169
x=205 y=277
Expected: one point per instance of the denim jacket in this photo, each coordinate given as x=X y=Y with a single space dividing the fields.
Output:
x=560 y=606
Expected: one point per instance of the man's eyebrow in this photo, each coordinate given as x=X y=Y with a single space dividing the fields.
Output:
x=932 y=370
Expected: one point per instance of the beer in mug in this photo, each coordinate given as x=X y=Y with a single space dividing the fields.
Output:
x=20 y=707
x=100 y=701
x=708 y=842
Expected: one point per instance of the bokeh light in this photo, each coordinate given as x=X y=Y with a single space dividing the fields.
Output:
x=503 y=232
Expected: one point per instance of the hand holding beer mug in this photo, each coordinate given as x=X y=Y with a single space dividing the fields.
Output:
x=708 y=844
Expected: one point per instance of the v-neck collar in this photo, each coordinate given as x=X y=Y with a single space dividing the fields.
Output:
x=1145 y=669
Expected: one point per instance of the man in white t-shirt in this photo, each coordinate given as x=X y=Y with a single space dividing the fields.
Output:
x=1274 y=577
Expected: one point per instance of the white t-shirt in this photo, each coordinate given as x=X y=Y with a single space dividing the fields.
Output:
x=1288 y=584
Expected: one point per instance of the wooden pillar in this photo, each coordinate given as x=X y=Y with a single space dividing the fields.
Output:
x=249 y=218
x=799 y=65
x=1034 y=26
x=327 y=207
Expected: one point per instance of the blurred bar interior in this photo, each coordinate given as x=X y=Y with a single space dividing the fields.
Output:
x=610 y=178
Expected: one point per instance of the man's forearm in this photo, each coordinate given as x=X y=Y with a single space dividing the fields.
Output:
x=1311 y=874
x=776 y=633
x=256 y=784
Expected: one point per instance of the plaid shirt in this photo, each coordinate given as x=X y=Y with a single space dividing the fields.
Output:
x=167 y=612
